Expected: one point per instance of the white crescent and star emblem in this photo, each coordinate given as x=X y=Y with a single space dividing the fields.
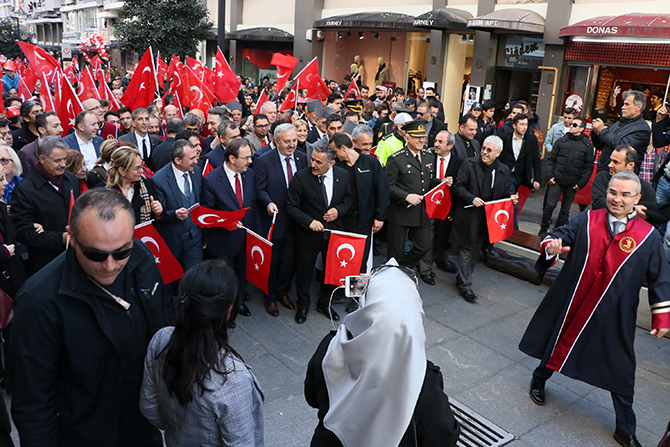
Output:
x=201 y=219
x=149 y=240
x=255 y=249
x=343 y=262
x=503 y=225
x=438 y=201
x=199 y=91
x=70 y=108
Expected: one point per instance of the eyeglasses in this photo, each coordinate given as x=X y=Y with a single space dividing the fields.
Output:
x=488 y=149
x=262 y=126
x=5 y=161
x=101 y=256
x=139 y=168
x=576 y=125
x=249 y=158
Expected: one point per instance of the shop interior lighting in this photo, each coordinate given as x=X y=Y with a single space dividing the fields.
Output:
x=376 y=35
x=464 y=38
x=360 y=35
x=471 y=38
x=339 y=35
x=348 y=33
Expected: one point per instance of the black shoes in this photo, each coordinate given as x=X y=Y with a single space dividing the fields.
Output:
x=626 y=440
x=244 y=310
x=447 y=266
x=428 y=278
x=537 y=392
x=328 y=313
x=301 y=316
x=467 y=294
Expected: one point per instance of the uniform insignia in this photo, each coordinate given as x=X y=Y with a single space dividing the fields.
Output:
x=627 y=244
x=421 y=128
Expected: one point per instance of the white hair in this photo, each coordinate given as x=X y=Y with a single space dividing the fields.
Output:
x=495 y=140
x=18 y=169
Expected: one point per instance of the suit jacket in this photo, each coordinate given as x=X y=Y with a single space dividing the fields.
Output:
x=461 y=150
x=218 y=194
x=160 y=156
x=34 y=200
x=28 y=157
x=72 y=142
x=313 y=135
x=305 y=203
x=437 y=126
x=155 y=141
x=174 y=231
x=216 y=157
x=531 y=167
x=271 y=186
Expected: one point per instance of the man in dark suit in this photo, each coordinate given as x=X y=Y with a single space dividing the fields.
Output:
x=465 y=145
x=433 y=127
x=85 y=137
x=231 y=187
x=47 y=123
x=163 y=153
x=215 y=116
x=446 y=165
x=226 y=131
x=318 y=131
x=140 y=137
x=274 y=172
x=479 y=180
x=44 y=198
x=177 y=186
x=27 y=133
x=317 y=199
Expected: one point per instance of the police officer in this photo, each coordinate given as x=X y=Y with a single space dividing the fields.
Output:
x=410 y=173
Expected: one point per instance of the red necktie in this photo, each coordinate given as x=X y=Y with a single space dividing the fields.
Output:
x=441 y=168
x=238 y=190
x=289 y=170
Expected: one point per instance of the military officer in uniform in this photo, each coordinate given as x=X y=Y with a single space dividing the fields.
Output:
x=410 y=173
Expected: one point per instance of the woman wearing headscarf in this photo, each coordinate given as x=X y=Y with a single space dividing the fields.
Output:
x=370 y=379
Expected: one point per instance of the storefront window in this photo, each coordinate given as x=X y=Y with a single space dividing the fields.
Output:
x=520 y=52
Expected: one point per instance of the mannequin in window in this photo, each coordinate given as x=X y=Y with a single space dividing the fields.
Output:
x=382 y=72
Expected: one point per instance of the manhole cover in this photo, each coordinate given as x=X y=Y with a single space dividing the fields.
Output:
x=476 y=430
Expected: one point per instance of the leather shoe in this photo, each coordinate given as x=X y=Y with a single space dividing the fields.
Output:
x=301 y=316
x=244 y=310
x=328 y=313
x=428 y=279
x=271 y=308
x=468 y=294
x=626 y=440
x=537 y=392
x=285 y=301
x=447 y=266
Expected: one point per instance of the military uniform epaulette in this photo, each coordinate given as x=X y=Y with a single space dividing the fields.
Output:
x=404 y=150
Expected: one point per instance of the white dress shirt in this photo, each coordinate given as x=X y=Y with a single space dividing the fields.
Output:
x=140 y=147
x=282 y=159
x=231 y=178
x=87 y=150
x=179 y=175
x=328 y=181
x=516 y=145
x=443 y=164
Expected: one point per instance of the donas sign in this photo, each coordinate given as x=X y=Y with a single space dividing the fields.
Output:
x=499 y=219
x=345 y=256
x=168 y=265
x=259 y=255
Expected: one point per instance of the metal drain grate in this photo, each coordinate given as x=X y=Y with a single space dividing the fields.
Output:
x=476 y=430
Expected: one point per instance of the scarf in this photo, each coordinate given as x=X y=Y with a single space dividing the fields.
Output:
x=379 y=70
x=55 y=179
x=485 y=188
x=145 y=210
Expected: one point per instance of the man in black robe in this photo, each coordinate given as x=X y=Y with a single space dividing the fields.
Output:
x=585 y=326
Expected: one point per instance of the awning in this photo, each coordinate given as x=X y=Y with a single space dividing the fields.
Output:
x=517 y=20
x=265 y=34
x=367 y=20
x=443 y=19
x=631 y=25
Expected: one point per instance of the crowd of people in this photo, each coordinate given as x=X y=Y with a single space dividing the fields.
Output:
x=102 y=352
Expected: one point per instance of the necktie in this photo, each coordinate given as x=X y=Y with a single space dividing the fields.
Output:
x=145 y=151
x=322 y=180
x=441 y=168
x=187 y=185
x=289 y=170
x=238 y=190
x=617 y=227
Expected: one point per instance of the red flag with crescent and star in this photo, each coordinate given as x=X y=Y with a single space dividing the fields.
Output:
x=291 y=101
x=207 y=218
x=226 y=85
x=438 y=202
x=196 y=93
x=168 y=265
x=143 y=85
x=207 y=169
x=499 y=219
x=70 y=106
x=261 y=100
x=310 y=79
x=39 y=59
x=353 y=88
x=345 y=256
x=259 y=254
x=285 y=64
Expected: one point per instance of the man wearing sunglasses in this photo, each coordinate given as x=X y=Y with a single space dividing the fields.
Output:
x=82 y=327
x=569 y=168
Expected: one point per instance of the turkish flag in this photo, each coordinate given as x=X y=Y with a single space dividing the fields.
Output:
x=109 y=96
x=174 y=72
x=207 y=169
x=70 y=106
x=40 y=60
x=87 y=88
x=524 y=193
x=168 y=265
x=345 y=256
x=208 y=218
x=285 y=64
x=292 y=98
x=226 y=84
x=438 y=202
x=30 y=78
x=310 y=79
x=196 y=94
x=46 y=98
x=142 y=88
x=177 y=102
x=71 y=74
x=196 y=66
x=259 y=254
x=96 y=62
x=261 y=100
x=24 y=93
x=161 y=69
x=353 y=88
x=499 y=219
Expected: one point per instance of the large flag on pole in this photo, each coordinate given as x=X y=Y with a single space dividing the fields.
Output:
x=39 y=59
x=310 y=79
x=345 y=256
x=143 y=85
x=226 y=85
x=285 y=64
x=292 y=99
x=70 y=106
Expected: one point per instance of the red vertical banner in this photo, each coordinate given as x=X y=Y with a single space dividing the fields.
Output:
x=499 y=219
x=259 y=255
x=345 y=256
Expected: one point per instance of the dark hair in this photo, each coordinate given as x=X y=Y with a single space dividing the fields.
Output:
x=206 y=305
x=274 y=126
x=4 y=122
x=174 y=125
x=103 y=103
x=169 y=99
x=333 y=97
x=332 y=118
x=104 y=201
x=220 y=112
x=178 y=148
x=139 y=111
x=123 y=110
x=233 y=147
x=351 y=113
x=41 y=119
x=569 y=111
x=27 y=106
x=186 y=134
x=580 y=119
x=381 y=107
x=260 y=116
x=631 y=153
x=342 y=139
x=81 y=116
x=488 y=105
x=10 y=99
x=191 y=120
x=111 y=113
x=518 y=117
x=152 y=108
x=518 y=106
x=465 y=118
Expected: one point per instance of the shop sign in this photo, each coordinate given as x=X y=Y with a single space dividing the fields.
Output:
x=521 y=52
x=482 y=23
x=333 y=23
x=602 y=30
x=423 y=22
